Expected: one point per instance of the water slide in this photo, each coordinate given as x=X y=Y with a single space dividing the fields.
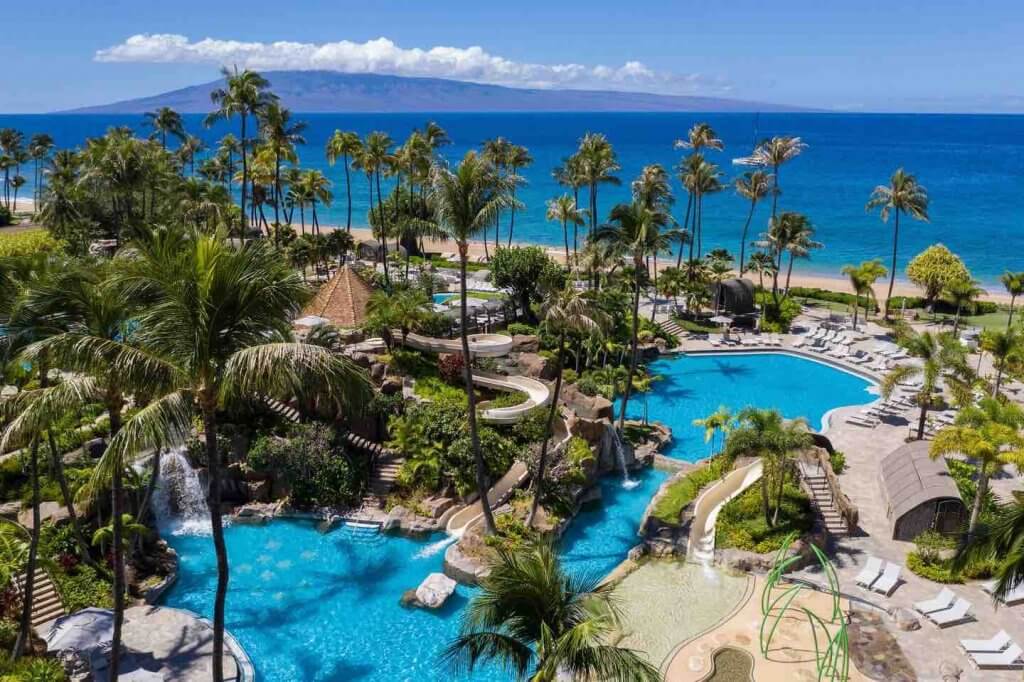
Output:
x=497 y=496
x=490 y=345
x=711 y=501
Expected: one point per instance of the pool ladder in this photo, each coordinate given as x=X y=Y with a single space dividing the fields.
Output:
x=361 y=533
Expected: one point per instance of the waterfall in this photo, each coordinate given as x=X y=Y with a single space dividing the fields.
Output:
x=436 y=547
x=179 y=501
x=620 y=454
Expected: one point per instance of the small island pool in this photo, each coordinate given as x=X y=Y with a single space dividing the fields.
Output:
x=693 y=386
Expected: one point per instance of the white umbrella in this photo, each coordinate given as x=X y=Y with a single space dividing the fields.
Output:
x=311 y=321
x=721 y=319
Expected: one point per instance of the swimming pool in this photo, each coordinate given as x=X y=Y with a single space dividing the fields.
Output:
x=444 y=298
x=312 y=606
x=694 y=386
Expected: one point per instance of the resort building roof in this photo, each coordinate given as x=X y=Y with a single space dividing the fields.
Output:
x=342 y=300
x=920 y=492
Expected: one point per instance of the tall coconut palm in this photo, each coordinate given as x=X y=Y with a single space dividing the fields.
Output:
x=862 y=279
x=566 y=312
x=190 y=146
x=636 y=229
x=962 y=292
x=281 y=134
x=989 y=434
x=763 y=264
x=1013 y=282
x=10 y=145
x=465 y=202
x=752 y=186
x=941 y=356
x=40 y=147
x=788 y=233
x=518 y=157
x=700 y=136
x=496 y=151
x=564 y=210
x=721 y=420
x=569 y=174
x=801 y=241
x=374 y=159
x=165 y=122
x=344 y=146
x=317 y=188
x=774 y=153
x=216 y=319
x=764 y=433
x=903 y=194
x=228 y=148
x=245 y=94
x=540 y=623
x=597 y=166
x=1007 y=350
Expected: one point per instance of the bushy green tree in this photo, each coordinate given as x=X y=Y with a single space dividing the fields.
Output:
x=527 y=271
x=934 y=269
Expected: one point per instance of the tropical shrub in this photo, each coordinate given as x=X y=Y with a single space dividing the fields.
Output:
x=963 y=475
x=931 y=560
x=569 y=376
x=527 y=271
x=519 y=328
x=81 y=587
x=778 y=317
x=451 y=367
x=838 y=461
x=8 y=633
x=28 y=242
x=31 y=669
x=934 y=269
x=5 y=216
x=741 y=522
x=683 y=491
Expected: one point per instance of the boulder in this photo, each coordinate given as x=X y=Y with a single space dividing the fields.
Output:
x=637 y=553
x=96 y=447
x=377 y=371
x=906 y=619
x=434 y=591
x=525 y=343
x=437 y=506
x=391 y=386
x=362 y=359
x=587 y=407
x=463 y=568
x=398 y=517
x=533 y=365
x=259 y=491
x=48 y=511
x=10 y=510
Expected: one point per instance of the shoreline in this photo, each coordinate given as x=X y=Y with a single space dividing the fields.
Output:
x=799 y=279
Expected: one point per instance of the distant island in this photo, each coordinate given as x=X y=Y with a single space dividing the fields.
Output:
x=332 y=91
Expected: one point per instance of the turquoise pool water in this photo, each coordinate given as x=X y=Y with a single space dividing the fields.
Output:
x=312 y=606
x=693 y=386
x=444 y=298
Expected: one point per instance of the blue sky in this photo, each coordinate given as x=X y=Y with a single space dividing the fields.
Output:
x=862 y=55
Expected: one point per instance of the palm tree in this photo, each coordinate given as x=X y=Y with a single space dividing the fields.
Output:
x=962 y=292
x=636 y=229
x=344 y=146
x=774 y=153
x=765 y=434
x=903 y=194
x=518 y=157
x=719 y=420
x=700 y=136
x=752 y=186
x=281 y=135
x=228 y=148
x=465 y=202
x=566 y=312
x=763 y=264
x=569 y=174
x=316 y=187
x=39 y=148
x=190 y=146
x=374 y=159
x=165 y=121
x=339 y=243
x=564 y=210
x=216 y=320
x=538 y=621
x=862 y=279
x=942 y=356
x=245 y=94
x=1014 y=284
x=1004 y=539
x=788 y=233
x=597 y=166
x=989 y=434
x=1006 y=348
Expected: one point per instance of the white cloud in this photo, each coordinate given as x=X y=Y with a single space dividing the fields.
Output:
x=384 y=56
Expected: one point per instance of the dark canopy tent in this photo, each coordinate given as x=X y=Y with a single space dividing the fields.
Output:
x=920 y=493
x=735 y=297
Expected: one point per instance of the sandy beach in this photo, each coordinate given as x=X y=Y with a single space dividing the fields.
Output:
x=837 y=283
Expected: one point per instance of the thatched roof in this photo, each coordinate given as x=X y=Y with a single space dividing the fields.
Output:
x=910 y=477
x=342 y=300
x=736 y=296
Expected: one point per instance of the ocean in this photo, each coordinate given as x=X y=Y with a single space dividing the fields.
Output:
x=972 y=166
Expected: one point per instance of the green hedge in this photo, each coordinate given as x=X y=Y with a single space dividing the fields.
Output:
x=741 y=522
x=685 y=490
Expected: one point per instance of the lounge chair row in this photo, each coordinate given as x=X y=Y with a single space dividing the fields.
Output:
x=998 y=652
x=770 y=340
x=878 y=579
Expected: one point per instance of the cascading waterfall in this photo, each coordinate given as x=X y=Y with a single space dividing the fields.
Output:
x=620 y=454
x=179 y=501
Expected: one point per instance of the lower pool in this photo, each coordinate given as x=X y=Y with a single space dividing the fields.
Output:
x=312 y=606
x=693 y=386
x=444 y=298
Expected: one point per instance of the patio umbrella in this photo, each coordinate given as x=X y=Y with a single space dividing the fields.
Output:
x=721 y=319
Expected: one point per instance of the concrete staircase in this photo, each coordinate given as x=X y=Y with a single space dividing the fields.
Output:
x=46 y=603
x=822 y=500
x=382 y=480
x=672 y=327
x=286 y=411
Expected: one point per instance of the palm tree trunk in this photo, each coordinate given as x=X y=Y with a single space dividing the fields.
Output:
x=57 y=465
x=116 y=511
x=21 y=644
x=348 y=195
x=1009 y=320
x=979 y=499
x=538 y=486
x=277 y=192
x=999 y=376
x=575 y=228
x=789 y=273
x=743 y=238
x=474 y=437
x=637 y=262
x=764 y=492
x=775 y=191
x=383 y=235
x=565 y=235
x=779 y=491
x=686 y=221
x=654 y=306
x=213 y=463
x=245 y=177
x=512 y=215
x=921 y=420
x=856 y=309
x=892 y=269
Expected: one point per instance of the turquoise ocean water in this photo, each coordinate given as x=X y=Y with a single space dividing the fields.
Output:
x=972 y=165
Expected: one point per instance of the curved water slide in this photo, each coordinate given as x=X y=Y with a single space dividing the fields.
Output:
x=711 y=501
x=490 y=345
x=497 y=496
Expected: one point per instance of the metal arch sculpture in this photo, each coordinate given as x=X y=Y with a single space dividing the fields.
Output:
x=832 y=654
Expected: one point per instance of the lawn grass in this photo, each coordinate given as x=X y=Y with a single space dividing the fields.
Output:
x=685 y=490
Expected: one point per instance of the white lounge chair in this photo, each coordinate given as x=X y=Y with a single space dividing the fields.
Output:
x=715 y=340
x=1006 y=660
x=943 y=600
x=862 y=421
x=1015 y=596
x=869 y=574
x=957 y=613
x=889 y=580
x=800 y=342
x=987 y=646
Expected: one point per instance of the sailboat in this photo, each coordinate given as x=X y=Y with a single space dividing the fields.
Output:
x=751 y=160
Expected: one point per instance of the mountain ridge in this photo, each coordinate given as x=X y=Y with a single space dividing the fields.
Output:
x=334 y=91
